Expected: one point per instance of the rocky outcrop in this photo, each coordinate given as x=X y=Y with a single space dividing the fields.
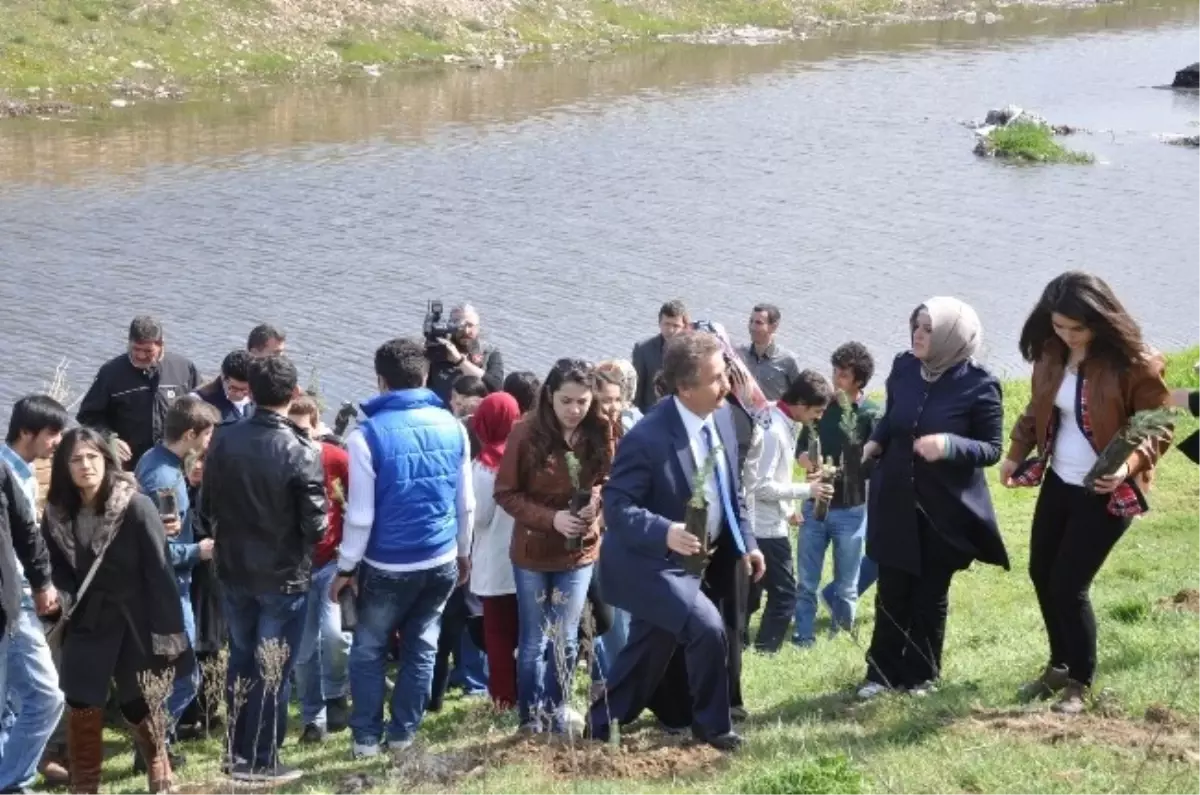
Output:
x=1181 y=140
x=12 y=108
x=1011 y=114
x=1187 y=77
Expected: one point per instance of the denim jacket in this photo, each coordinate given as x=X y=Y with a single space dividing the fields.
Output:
x=158 y=469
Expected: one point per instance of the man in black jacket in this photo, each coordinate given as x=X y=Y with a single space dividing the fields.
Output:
x=21 y=545
x=263 y=500
x=647 y=356
x=464 y=354
x=130 y=395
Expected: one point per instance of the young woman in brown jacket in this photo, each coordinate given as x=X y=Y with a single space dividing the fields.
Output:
x=553 y=549
x=1092 y=371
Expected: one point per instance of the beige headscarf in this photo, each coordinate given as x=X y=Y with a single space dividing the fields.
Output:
x=957 y=334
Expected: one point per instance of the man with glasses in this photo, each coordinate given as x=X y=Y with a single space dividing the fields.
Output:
x=128 y=400
x=230 y=394
x=464 y=353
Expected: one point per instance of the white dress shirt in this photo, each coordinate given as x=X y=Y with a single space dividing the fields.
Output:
x=360 y=509
x=695 y=425
x=771 y=489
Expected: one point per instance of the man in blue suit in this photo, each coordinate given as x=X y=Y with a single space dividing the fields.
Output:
x=641 y=571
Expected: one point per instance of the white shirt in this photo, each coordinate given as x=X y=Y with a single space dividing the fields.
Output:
x=1073 y=454
x=491 y=563
x=770 y=487
x=695 y=425
x=360 y=509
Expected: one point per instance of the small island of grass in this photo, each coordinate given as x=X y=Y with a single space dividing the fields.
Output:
x=1028 y=142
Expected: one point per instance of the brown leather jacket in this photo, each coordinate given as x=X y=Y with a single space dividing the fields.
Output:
x=531 y=494
x=1112 y=398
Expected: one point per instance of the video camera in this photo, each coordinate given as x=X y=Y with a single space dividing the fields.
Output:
x=438 y=328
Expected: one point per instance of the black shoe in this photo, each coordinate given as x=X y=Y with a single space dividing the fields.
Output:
x=274 y=776
x=728 y=742
x=674 y=731
x=313 y=734
x=738 y=714
x=337 y=714
x=178 y=761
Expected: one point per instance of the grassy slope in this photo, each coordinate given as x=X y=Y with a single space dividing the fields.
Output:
x=87 y=44
x=806 y=735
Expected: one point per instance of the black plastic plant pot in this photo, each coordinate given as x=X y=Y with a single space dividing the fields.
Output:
x=1115 y=454
x=696 y=523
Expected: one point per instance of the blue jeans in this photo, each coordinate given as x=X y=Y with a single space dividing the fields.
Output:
x=845 y=530
x=321 y=664
x=186 y=687
x=255 y=618
x=843 y=615
x=547 y=601
x=609 y=645
x=29 y=692
x=470 y=667
x=411 y=602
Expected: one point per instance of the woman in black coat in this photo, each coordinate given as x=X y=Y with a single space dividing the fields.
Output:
x=128 y=621
x=930 y=510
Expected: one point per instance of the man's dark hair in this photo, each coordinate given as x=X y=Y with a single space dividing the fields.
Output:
x=470 y=386
x=189 y=413
x=262 y=335
x=401 y=363
x=855 y=357
x=273 y=381
x=236 y=365
x=673 y=308
x=683 y=357
x=145 y=329
x=524 y=387
x=810 y=388
x=33 y=414
x=773 y=313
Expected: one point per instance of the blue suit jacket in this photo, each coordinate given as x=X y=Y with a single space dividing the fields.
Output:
x=647 y=491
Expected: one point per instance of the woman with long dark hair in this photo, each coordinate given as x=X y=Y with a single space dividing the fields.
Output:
x=930 y=512
x=553 y=548
x=129 y=621
x=1092 y=371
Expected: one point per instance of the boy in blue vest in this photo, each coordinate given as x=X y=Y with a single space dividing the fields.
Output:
x=406 y=541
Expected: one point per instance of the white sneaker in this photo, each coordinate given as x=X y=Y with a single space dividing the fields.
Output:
x=364 y=751
x=923 y=689
x=398 y=748
x=870 y=690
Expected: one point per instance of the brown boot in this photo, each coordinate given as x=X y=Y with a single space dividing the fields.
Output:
x=85 y=748
x=152 y=745
x=1073 y=700
x=1050 y=682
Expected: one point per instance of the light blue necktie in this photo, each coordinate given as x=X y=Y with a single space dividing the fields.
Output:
x=723 y=489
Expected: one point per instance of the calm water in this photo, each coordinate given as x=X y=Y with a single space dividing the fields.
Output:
x=567 y=201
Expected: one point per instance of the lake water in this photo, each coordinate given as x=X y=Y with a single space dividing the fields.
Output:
x=567 y=201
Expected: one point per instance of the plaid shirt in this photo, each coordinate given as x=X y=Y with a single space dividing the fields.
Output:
x=1126 y=501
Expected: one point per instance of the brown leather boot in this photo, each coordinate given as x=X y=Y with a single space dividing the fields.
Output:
x=85 y=748
x=1073 y=700
x=1050 y=682
x=152 y=745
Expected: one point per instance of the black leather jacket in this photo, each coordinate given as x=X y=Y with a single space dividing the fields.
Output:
x=263 y=502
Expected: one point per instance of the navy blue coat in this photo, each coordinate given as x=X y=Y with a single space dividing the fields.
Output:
x=646 y=492
x=965 y=403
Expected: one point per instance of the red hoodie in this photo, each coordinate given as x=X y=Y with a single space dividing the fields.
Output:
x=337 y=487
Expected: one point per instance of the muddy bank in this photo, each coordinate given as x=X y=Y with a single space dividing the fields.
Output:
x=80 y=55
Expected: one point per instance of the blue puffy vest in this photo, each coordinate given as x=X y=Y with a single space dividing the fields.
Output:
x=417 y=451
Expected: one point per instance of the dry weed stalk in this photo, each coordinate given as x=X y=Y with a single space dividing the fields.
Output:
x=156 y=687
x=272 y=655
x=213 y=672
x=58 y=387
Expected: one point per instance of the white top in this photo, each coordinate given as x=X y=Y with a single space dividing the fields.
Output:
x=695 y=425
x=360 y=509
x=770 y=487
x=1073 y=454
x=491 y=564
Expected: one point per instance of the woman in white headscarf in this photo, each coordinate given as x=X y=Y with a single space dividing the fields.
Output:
x=931 y=512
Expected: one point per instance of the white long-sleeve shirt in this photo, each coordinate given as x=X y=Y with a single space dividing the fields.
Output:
x=491 y=564
x=360 y=509
x=771 y=489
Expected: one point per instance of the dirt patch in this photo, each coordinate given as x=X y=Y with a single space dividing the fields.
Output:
x=1163 y=733
x=1187 y=600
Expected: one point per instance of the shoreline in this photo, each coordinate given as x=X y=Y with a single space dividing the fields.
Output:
x=59 y=62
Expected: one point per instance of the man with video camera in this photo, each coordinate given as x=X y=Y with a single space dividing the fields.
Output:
x=454 y=349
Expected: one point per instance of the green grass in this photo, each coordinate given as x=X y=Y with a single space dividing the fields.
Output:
x=806 y=734
x=1033 y=143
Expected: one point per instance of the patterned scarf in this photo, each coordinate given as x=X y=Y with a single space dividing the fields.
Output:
x=1127 y=501
x=742 y=383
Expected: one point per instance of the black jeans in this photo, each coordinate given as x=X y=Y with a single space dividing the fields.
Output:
x=454 y=622
x=910 y=616
x=779 y=585
x=1072 y=535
